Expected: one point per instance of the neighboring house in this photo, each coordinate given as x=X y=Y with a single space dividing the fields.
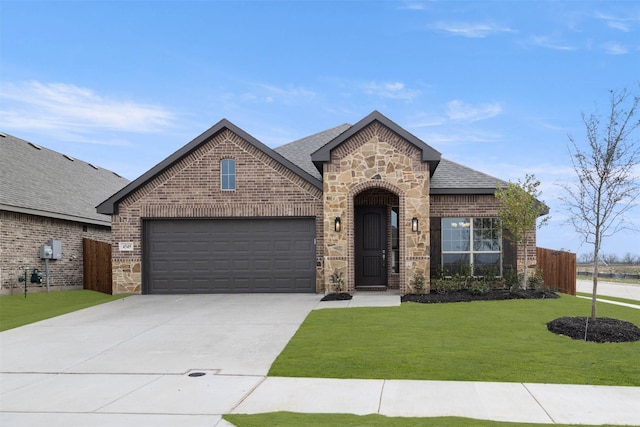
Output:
x=225 y=213
x=45 y=195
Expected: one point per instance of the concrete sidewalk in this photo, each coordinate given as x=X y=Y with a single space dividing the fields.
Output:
x=130 y=363
x=609 y=289
x=515 y=402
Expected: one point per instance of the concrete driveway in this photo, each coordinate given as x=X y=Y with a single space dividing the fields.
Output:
x=130 y=363
x=106 y=364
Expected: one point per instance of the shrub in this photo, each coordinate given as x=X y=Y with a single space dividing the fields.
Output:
x=417 y=283
x=479 y=287
x=337 y=281
x=536 y=281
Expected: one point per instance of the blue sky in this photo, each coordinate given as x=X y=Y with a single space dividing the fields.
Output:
x=496 y=86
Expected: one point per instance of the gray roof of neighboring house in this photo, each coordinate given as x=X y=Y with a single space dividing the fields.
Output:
x=38 y=181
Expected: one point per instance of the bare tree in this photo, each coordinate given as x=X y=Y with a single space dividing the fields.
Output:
x=585 y=258
x=607 y=184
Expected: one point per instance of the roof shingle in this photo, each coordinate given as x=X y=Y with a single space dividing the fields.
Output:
x=39 y=181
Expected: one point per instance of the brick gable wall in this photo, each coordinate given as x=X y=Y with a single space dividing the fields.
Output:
x=191 y=189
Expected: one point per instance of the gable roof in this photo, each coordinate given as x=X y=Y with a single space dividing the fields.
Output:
x=429 y=155
x=109 y=206
x=448 y=178
x=38 y=181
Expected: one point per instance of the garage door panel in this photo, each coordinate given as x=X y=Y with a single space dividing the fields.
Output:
x=229 y=255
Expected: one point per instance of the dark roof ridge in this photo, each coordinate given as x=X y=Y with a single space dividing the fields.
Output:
x=429 y=154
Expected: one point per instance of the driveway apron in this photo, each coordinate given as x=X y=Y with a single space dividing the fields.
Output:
x=135 y=356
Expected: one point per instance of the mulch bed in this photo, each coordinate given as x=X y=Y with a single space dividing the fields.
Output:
x=342 y=296
x=466 y=296
x=602 y=329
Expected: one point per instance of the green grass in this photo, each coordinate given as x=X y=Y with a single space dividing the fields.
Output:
x=479 y=341
x=16 y=310
x=283 y=419
x=608 y=298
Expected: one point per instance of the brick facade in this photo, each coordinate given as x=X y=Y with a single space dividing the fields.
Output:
x=375 y=163
x=191 y=189
x=480 y=206
x=22 y=235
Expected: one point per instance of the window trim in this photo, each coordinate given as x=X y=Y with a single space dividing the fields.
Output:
x=224 y=175
x=471 y=252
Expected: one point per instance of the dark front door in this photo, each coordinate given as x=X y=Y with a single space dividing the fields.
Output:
x=370 y=246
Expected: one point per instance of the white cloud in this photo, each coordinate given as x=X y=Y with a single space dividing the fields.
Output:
x=287 y=94
x=270 y=94
x=413 y=6
x=471 y=30
x=618 y=23
x=393 y=90
x=613 y=48
x=461 y=111
x=61 y=107
x=550 y=43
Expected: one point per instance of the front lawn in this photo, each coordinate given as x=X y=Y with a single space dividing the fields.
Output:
x=16 y=310
x=283 y=419
x=504 y=341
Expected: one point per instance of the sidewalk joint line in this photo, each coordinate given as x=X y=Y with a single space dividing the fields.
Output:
x=539 y=404
x=246 y=395
x=384 y=382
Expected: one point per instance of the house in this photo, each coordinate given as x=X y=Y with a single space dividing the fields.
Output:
x=369 y=201
x=45 y=196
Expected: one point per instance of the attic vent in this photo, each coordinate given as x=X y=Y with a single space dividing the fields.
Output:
x=116 y=174
x=68 y=157
x=95 y=167
x=3 y=135
x=36 y=146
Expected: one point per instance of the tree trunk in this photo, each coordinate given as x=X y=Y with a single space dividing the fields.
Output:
x=526 y=263
x=595 y=284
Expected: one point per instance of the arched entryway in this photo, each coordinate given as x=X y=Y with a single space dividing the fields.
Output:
x=375 y=237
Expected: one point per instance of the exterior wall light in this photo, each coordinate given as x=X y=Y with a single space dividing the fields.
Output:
x=414 y=224
x=337 y=225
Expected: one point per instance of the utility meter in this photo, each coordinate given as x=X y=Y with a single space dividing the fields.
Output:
x=46 y=252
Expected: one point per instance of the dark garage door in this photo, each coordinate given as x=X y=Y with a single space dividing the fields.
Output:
x=229 y=255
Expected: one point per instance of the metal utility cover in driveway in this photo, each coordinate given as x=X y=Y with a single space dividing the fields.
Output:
x=246 y=255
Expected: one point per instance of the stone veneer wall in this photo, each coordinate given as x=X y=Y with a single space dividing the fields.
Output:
x=480 y=206
x=191 y=189
x=376 y=158
x=22 y=235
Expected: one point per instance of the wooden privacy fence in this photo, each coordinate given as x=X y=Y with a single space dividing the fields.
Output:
x=558 y=269
x=96 y=266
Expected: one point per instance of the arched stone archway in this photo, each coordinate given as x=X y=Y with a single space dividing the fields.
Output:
x=368 y=195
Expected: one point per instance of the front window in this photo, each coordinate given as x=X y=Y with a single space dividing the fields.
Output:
x=471 y=246
x=228 y=174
